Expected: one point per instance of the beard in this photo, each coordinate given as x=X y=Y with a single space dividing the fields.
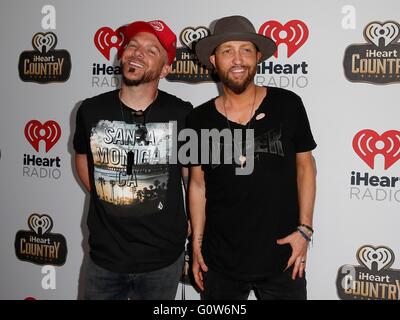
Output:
x=237 y=86
x=147 y=76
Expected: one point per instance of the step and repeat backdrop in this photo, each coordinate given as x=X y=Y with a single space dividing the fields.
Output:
x=341 y=57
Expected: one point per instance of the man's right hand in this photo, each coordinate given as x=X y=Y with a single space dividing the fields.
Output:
x=198 y=267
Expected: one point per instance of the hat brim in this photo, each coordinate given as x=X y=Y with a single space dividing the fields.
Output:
x=206 y=46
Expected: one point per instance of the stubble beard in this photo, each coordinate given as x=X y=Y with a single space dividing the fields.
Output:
x=148 y=76
x=237 y=86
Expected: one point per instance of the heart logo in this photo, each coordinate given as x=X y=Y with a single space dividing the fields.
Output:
x=381 y=257
x=190 y=35
x=40 y=224
x=388 y=31
x=367 y=144
x=44 y=42
x=294 y=34
x=106 y=38
x=35 y=131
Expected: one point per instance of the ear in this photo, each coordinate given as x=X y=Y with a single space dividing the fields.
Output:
x=258 y=56
x=165 y=70
x=212 y=60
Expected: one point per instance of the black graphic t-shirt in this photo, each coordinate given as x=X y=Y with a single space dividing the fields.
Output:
x=136 y=217
x=246 y=214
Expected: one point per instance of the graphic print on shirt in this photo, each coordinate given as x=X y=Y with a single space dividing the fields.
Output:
x=151 y=144
x=269 y=142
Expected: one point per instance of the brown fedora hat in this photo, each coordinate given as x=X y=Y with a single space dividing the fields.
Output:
x=233 y=28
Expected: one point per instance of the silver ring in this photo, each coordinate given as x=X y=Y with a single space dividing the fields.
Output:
x=303 y=261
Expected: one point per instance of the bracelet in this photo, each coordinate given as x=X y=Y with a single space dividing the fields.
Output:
x=308 y=232
x=307 y=227
x=304 y=235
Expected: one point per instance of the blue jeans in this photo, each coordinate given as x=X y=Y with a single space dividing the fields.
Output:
x=162 y=284
x=218 y=286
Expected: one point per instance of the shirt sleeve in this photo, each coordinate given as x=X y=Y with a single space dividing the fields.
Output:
x=79 y=142
x=303 y=137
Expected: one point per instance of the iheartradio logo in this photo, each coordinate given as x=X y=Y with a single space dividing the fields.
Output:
x=382 y=257
x=372 y=279
x=389 y=32
x=49 y=132
x=106 y=38
x=190 y=35
x=38 y=245
x=368 y=143
x=294 y=34
x=40 y=224
x=374 y=61
x=44 y=42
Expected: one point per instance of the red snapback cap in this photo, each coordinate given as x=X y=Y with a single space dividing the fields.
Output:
x=157 y=27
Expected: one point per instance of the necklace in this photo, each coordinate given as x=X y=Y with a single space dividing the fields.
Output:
x=139 y=114
x=242 y=158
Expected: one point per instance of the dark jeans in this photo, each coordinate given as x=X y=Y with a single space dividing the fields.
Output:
x=218 y=286
x=162 y=284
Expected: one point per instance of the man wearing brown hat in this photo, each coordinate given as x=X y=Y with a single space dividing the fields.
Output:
x=136 y=219
x=251 y=231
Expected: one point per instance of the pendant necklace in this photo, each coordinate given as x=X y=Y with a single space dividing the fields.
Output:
x=139 y=114
x=242 y=158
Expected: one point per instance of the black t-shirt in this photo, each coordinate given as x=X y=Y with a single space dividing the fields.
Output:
x=246 y=214
x=136 y=220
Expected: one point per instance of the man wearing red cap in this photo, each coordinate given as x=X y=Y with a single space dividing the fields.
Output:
x=124 y=153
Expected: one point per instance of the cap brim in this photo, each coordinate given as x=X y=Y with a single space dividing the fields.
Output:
x=206 y=46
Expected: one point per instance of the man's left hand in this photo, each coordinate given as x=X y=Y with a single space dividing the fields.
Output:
x=299 y=253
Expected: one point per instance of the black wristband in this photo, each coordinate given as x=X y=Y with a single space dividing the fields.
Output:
x=307 y=227
x=305 y=236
